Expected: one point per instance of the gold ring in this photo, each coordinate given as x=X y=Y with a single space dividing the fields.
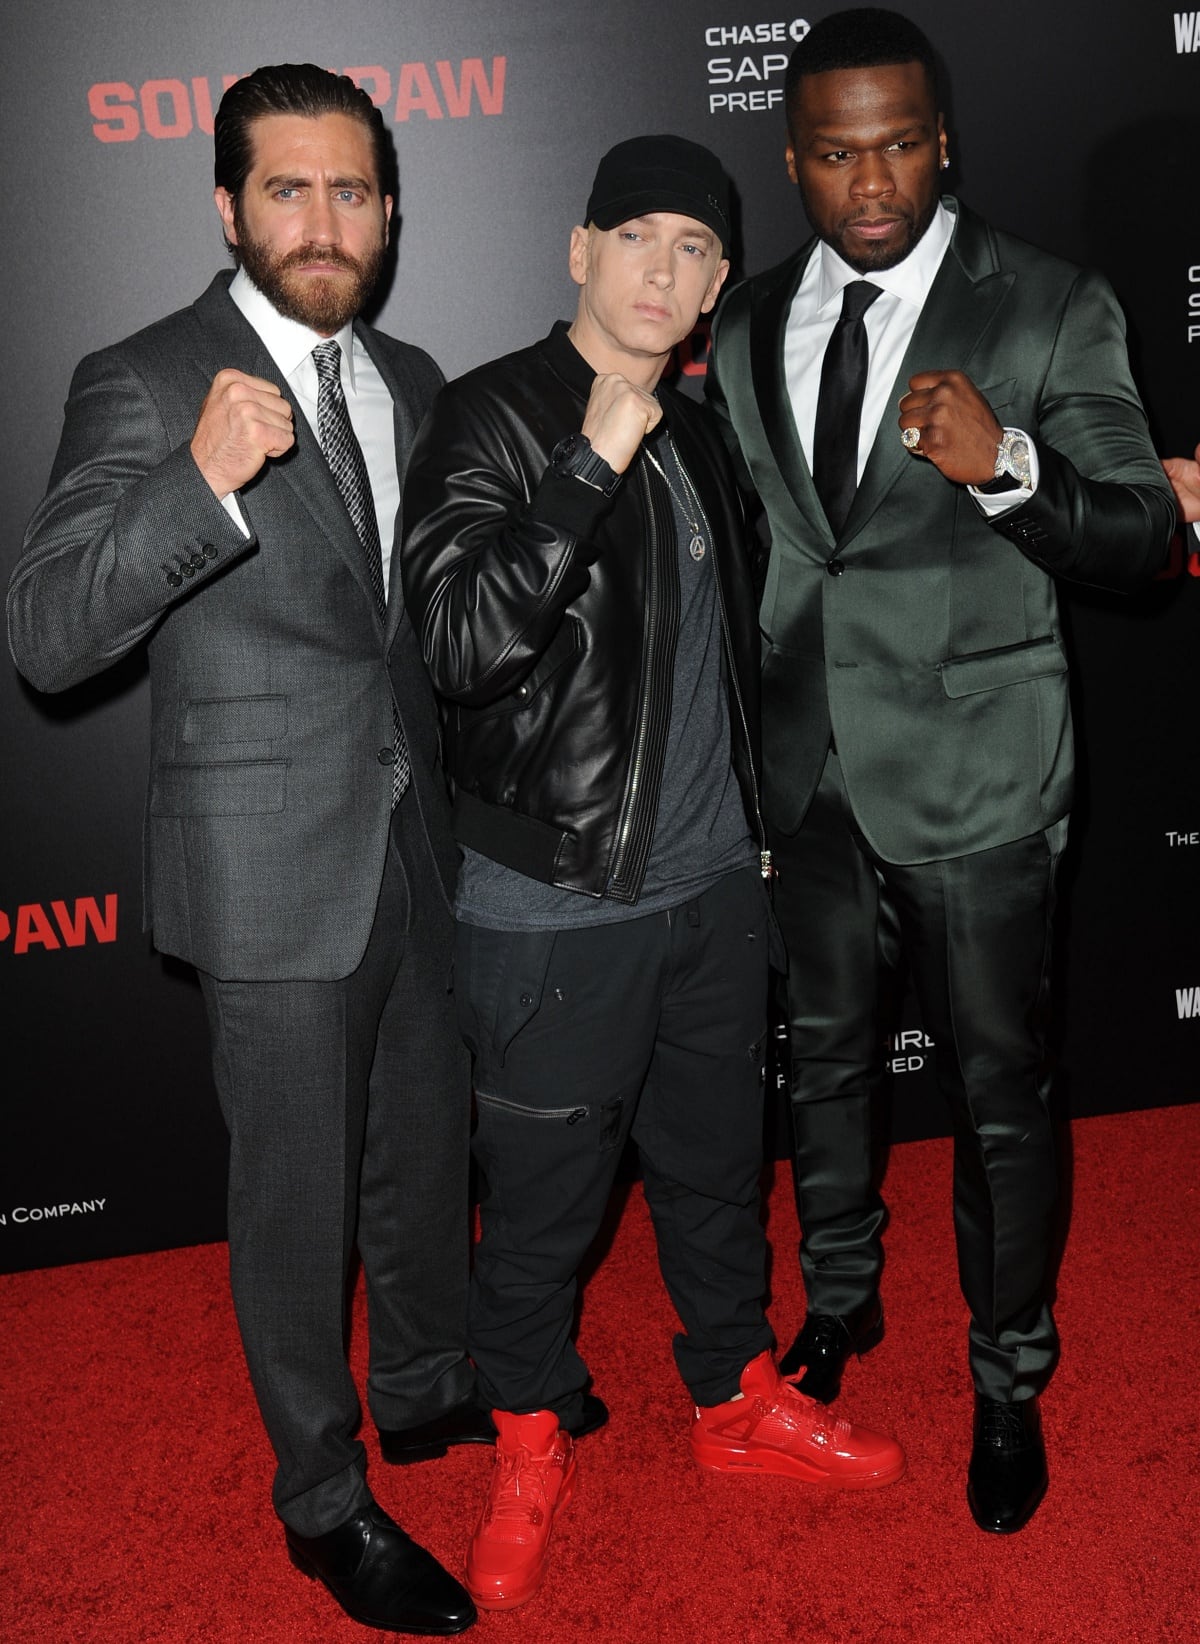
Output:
x=911 y=437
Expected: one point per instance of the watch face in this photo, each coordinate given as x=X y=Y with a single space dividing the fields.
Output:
x=1018 y=460
x=1012 y=458
x=568 y=449
x=573 y=458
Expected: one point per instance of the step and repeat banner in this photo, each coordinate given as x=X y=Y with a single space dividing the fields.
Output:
x=1071 y=124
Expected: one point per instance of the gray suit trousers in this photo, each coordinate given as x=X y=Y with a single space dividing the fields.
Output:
x=348 y=1106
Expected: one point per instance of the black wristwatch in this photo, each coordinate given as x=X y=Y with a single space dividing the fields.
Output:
x=573 y=458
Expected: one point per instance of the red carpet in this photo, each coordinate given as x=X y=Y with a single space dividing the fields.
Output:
x=135 y=1474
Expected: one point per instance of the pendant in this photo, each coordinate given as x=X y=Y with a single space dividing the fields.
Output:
x=696 y=547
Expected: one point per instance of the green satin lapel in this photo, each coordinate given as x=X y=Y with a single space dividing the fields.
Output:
x=956 y=317
x=767 y=327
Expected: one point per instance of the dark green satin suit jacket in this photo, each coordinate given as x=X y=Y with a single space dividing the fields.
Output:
x=936 y=657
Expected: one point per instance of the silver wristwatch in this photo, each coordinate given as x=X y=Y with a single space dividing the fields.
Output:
x=1012 y=460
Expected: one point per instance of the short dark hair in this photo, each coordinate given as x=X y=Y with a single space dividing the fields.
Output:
x=867 y=37
x=291 y=88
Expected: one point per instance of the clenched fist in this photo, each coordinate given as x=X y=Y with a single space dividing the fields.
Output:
x=958 y=428
x=243 y=421
x=619 y=416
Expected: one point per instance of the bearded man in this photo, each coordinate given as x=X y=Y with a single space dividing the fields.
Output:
x=227 y=490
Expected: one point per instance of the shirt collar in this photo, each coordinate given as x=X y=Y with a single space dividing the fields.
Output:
x=287 y=341
x=909 y=280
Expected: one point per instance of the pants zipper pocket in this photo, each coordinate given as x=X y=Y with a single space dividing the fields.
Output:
x=568 y=1115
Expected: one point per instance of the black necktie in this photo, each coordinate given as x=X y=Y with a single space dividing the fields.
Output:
x=839 y=406
x=344 y=455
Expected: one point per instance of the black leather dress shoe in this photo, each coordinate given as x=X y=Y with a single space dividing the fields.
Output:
x=381 y=1577
x=469 y=1423
x=826 y=1341
x=1007 y=1477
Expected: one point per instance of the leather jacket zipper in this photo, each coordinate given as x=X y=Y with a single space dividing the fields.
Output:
x=765 y=866
x=637 y=816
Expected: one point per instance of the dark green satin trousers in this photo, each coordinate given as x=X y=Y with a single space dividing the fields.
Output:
x=975 y=932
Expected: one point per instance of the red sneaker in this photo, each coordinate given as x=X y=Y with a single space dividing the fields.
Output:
x=776 y=1429
x=533 y=1477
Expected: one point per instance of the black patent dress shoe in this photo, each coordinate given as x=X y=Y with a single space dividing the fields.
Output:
x=1007 y=1477
x=469 y=1423
x=825 y=1342
x=381 y=1577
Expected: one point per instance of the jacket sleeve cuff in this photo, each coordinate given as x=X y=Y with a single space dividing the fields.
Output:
x=170 y=526
x=570 y=505
x=1104 y=533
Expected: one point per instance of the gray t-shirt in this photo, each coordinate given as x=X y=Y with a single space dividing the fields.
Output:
x=700 y=832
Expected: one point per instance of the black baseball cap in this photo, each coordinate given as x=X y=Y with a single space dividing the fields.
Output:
x=662 y=173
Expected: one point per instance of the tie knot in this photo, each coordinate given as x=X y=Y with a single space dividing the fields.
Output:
x=327 y=357
x=856 y=299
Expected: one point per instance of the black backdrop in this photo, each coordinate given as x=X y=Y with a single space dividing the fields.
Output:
x=1071 y=124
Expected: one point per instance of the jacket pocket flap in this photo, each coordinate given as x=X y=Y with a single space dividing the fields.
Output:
x=1000 y=394
x=1008 y=665
x=231 y=788
x=236 y=719
x=564 y=644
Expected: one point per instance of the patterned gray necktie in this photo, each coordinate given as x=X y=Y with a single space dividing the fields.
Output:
x=344 y=456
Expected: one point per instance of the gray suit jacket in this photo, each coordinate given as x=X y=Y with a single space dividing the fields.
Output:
x=268 y=807
x=927 y=637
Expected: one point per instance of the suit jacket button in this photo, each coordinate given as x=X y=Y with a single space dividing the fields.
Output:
x=197 y=562
x=174 y=578
x=835 y=566
x=208 y=550
x=386 y=756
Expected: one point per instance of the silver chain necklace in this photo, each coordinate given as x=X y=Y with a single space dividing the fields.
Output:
x=697 y=547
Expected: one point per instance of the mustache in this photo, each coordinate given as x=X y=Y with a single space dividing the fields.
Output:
x=327 y=257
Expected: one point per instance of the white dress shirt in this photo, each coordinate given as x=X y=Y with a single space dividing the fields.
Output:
x=890 y=322
x=368 y=401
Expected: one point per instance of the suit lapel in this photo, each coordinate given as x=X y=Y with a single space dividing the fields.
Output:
x=962 y=302
x=405 y=426
x=233 y=339
x=767 y=329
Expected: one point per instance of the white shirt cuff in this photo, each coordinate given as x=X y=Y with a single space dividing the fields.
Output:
x=233 y=508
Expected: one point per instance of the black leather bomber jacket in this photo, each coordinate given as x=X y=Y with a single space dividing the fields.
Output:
x=547 y=615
